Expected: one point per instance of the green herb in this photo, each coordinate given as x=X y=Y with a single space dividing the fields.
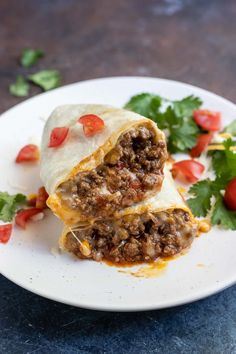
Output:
x=146 y=104
x=224 y=161
x=175 y=118
x=207 y=197
x=202 y=201
x=30 y=57
x=186 y=106
x=231 y=128
x=183 y=136
x=9 y=204
x=208 y=193
x=46 y=79
x=222 y=216
x=20 y=88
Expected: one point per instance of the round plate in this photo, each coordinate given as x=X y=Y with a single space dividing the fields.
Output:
x=30 y=258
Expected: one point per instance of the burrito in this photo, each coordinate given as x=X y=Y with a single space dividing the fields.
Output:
x=160 y=226
x=92 y=176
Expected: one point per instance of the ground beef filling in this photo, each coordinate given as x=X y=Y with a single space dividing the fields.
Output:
x=130 y=170
x=134 y=238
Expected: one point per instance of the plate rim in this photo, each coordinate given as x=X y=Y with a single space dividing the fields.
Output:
x=104 y=78
x=122 y=308
x=118 y=308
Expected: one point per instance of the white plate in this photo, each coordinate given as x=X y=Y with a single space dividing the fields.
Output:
x=27 y=260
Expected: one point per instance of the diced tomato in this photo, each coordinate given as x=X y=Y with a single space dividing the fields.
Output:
x=203 y=141
x=189 y=170
x=230 y=195
x=5 y=233
x=58 y=135
x=92 y=124
x=207 y=120
x=28 y=153
x=24 y=215
x=41 y=198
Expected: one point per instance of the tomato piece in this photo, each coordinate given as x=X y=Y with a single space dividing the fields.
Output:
x=5 y=232
x=203 y=141
x=24 y=215
x=41 y=198
x=207 y=120
x=92 y=124
x=58 y=135
x=230 y=195
x=28 y=153
x=189 y=170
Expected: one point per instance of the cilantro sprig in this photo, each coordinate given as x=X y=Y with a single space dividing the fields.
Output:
x=173 y=116
x=9 y=205
x=224 y=161
x=20 y=88
x=207 y=194
x=29 y=57
x=45 y=79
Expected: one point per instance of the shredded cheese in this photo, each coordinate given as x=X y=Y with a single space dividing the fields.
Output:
x=219 y=147
x=204 y=226
x=84 y=247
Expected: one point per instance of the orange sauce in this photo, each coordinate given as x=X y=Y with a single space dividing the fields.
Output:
x=200 y=265
x=122 y=264
x=151 y=270
x=147 y=270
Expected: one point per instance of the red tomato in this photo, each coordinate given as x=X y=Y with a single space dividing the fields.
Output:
x=203 y=141
x=230 y=195
x=57 y=136
x=29 y=152
x=5 y=233
x=92 y=124
x=207 y=120
x=23 y=215
x=190 y=170
x=41 y=198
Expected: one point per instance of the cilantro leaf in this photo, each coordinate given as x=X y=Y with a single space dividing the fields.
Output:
x=46 y=79
x=9 y=204
x=224 y=161
x=145 y=104
x=183 y=136
x=186 y=106
x=222 y=216
x=30 y=57
x=231 y=128
x=201 y=203
x=20 y=88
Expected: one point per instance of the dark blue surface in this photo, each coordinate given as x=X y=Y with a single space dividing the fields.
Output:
x=31 y=324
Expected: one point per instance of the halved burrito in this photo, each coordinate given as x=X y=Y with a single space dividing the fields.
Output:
x=158 y=227
x=92 y=176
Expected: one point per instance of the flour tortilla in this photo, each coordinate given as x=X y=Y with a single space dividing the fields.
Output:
x=79 y=153
x=167 y=199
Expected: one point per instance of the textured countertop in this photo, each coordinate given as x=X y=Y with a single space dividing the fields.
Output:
x=187 y=40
